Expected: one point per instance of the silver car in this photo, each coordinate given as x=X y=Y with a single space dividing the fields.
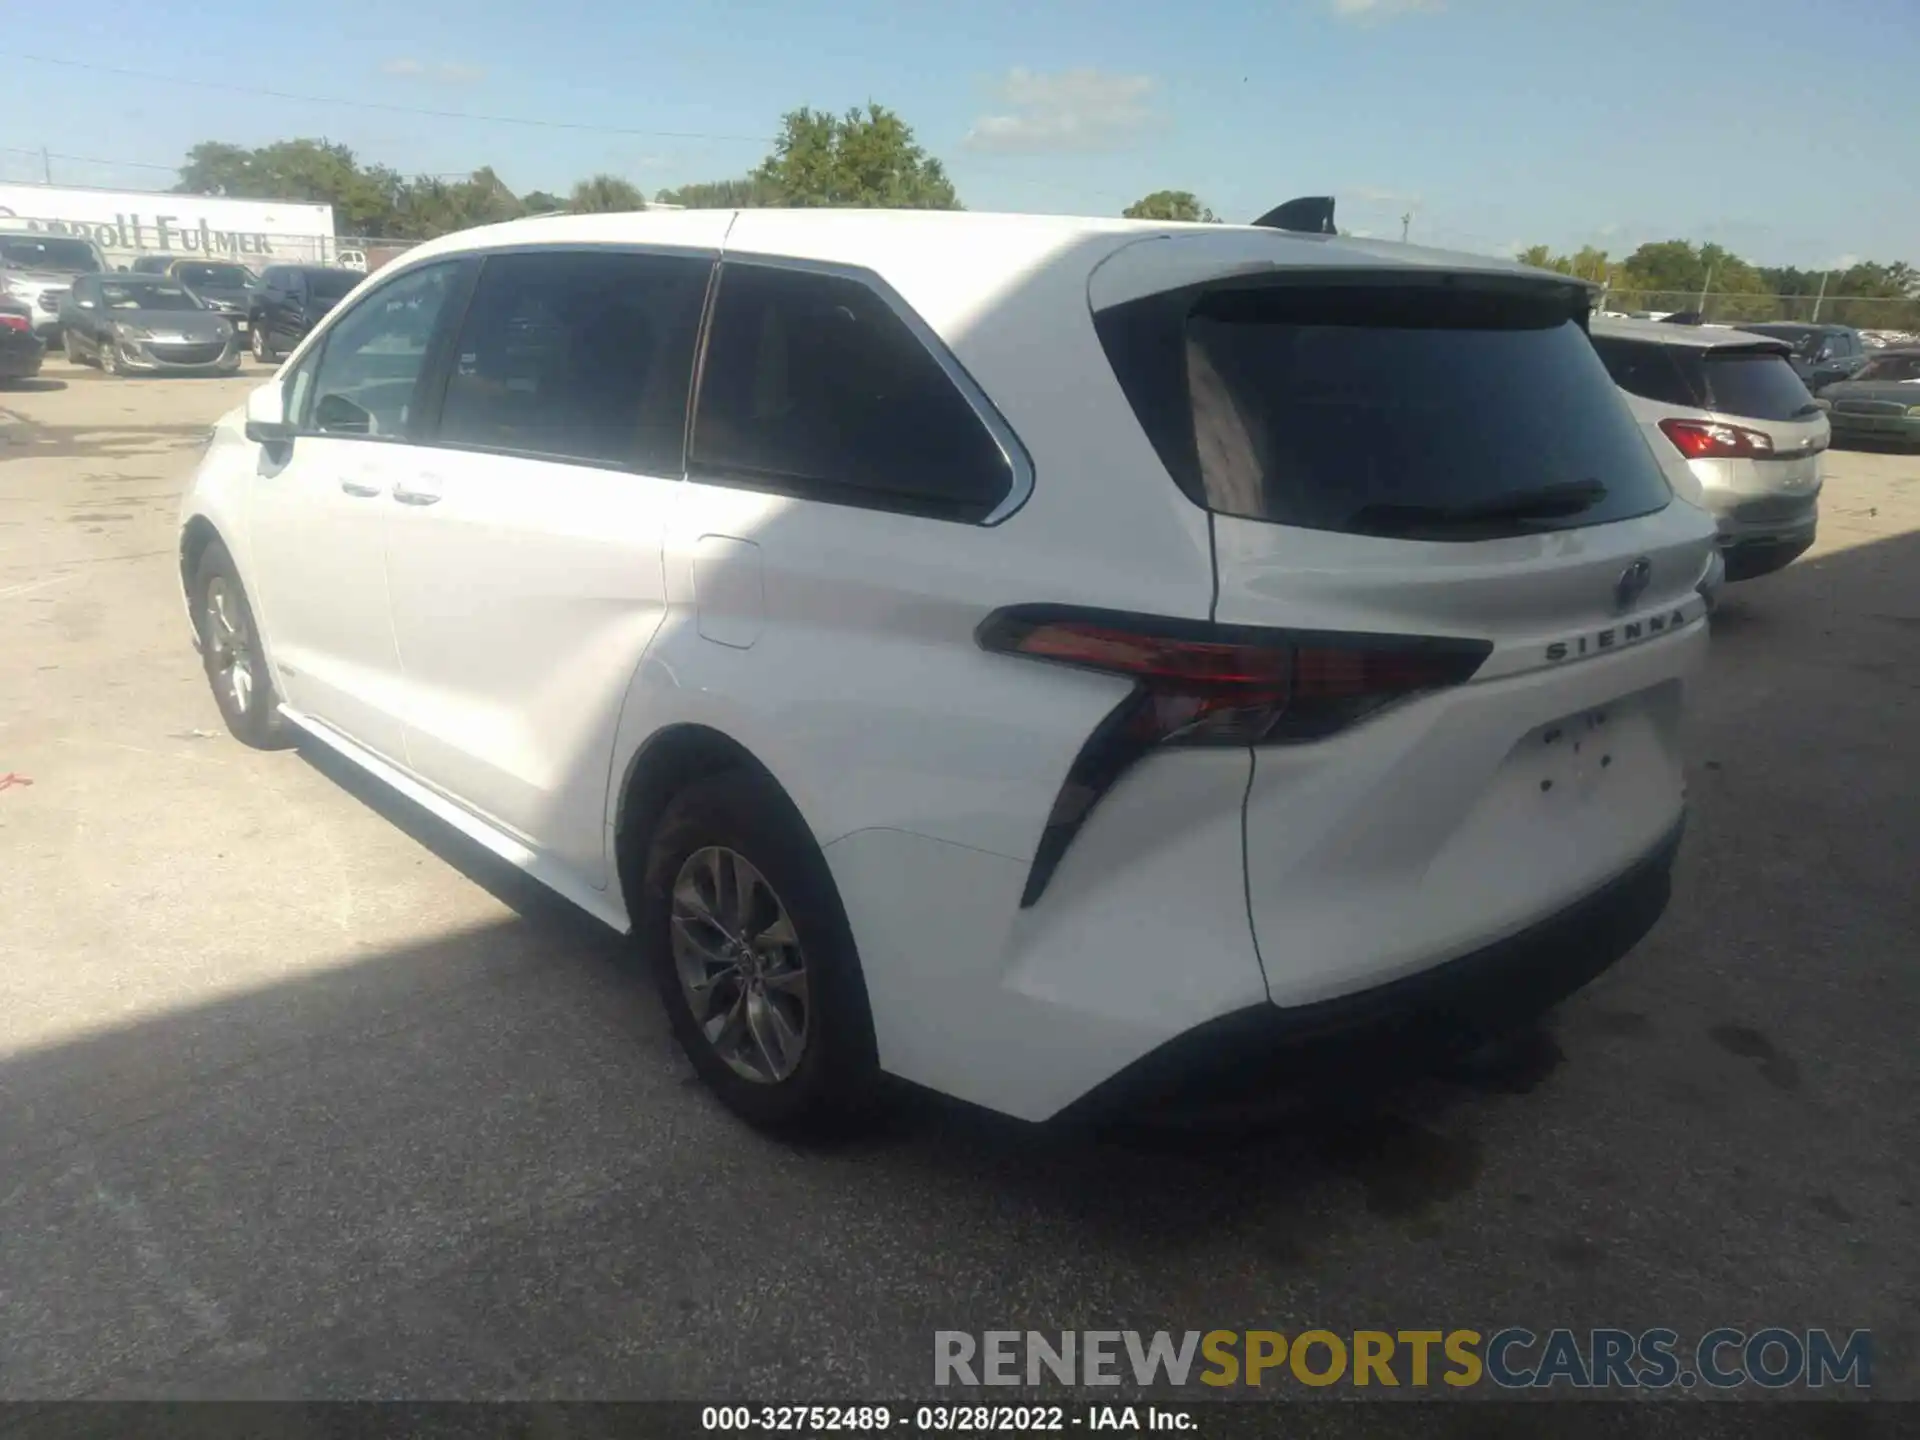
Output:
x=1729 y=406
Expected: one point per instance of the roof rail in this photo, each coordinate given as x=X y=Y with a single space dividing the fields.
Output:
x=1308 y=215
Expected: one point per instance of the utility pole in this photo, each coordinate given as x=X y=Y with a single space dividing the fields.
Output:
x=46 y=164
x=1822 y=295
x=1705 y=285
x=1406 y=224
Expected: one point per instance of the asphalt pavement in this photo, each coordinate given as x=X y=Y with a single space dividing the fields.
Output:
x=301 y=1095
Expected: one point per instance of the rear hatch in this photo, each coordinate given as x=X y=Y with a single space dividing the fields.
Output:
x=1404 y=464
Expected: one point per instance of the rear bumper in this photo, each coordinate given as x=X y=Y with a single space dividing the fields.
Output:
x=18 y=362
x=1398 y=1028
x=1899 y=428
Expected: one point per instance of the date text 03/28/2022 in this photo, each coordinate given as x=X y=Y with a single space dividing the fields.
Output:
x=942 y=1419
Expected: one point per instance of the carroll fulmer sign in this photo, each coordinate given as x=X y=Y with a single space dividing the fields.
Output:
x=126 y=224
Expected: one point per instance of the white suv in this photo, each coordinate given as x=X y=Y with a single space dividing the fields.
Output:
x=1040 y=658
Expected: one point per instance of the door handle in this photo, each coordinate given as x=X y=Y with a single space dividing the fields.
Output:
x=422 y=492
x=358 y=489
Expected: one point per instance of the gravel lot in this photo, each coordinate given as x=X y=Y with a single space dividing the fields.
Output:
x=302 y=1095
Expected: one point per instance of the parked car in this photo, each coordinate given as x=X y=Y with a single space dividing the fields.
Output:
x=145 y=323
x=1047 y=659
x=290 y=300
x=1728 y=403
x=152 y=265
x=1821 y=354
x=36 y=269
x=1881 y=401
x=352 y=260
x=20 y=348
x=226 y=287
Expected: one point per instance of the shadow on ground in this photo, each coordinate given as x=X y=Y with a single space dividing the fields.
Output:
x=476 y=1166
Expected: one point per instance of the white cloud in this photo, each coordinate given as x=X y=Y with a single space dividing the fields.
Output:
x=1066 y=110
x=447 y=71
x=1370 y=10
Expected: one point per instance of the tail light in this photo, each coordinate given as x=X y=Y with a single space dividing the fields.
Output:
x=15 y=322
x=1706 y=440
x=1201 y=684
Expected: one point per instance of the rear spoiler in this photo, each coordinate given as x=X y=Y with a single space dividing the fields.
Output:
x=1308 y=215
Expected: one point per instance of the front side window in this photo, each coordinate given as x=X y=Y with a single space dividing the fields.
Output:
x=814 y=385
x=374 y=355
x=583 y=355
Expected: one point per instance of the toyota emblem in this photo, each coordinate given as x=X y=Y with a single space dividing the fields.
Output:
x=1632 y=583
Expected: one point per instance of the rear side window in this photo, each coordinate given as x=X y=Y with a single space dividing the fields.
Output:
x=583 y=355
x=1417 y=413
x=1653 y=372
x=1757 y=385
x=814 y=386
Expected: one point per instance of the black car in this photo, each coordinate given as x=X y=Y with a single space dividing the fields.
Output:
x=20 y=348
x=1822 y=354
x=226 y=287
x=145 y=323
x=152 y=265
x=290 y=300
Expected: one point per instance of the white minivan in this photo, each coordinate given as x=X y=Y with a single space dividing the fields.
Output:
x=1055 y=661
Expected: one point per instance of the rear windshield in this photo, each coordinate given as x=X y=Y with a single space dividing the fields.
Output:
x=332 y=284
x=1754 y=384
x=1410 y=413
x=1902 y=368
x=1804 y=341
x=1760 y=387
x=219 y=277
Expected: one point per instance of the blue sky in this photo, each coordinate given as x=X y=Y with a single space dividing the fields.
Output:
x=1787 y=130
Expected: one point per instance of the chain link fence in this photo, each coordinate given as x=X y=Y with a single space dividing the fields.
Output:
x=1863 y=312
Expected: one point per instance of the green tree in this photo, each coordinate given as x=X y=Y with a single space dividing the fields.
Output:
x=750 y=192
x=540 y=202
x=1170 y=205
x=314 y=171
x=601 y=194
x=863 y=159
x=429 y=205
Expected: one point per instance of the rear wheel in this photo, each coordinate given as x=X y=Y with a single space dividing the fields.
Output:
x=230 y=649
x=754 y=958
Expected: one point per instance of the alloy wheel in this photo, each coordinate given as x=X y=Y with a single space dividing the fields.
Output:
x=740 y=965
x=229 y=644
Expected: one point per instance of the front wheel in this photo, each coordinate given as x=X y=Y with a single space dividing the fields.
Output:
x=754 y=958
x=261 y=343
x=230 y=649
x=66 y=345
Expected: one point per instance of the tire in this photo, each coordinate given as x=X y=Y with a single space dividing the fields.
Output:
x=230 y=646
x=261 y=343
x=107 y=352
x=66 y=344
x=790 y=1055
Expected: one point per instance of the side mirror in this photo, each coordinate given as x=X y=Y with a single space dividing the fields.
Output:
x=338 y=415
x=267 y=416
